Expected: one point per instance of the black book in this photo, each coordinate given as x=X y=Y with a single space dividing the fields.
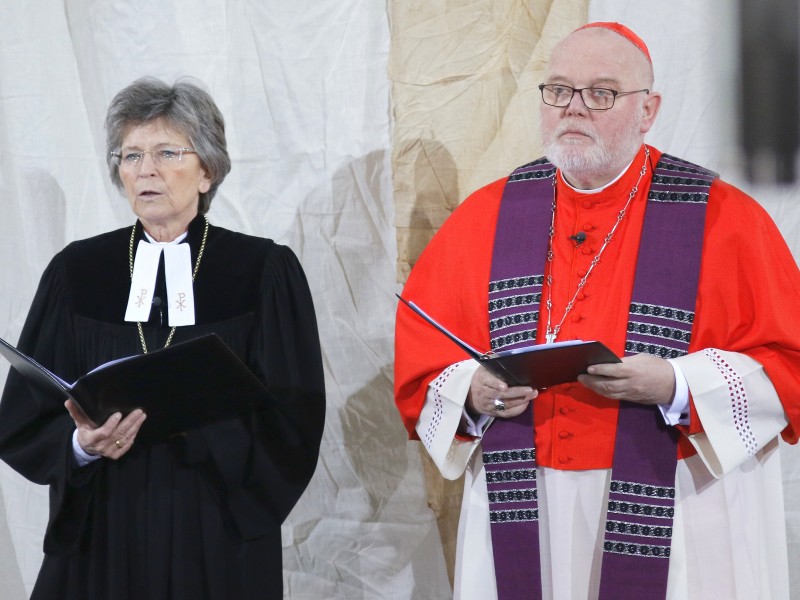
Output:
x=180 y=387
x=538 y=366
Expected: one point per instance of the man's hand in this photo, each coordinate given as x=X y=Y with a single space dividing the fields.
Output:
x=642 y=378
x=485 y=388
x=113 y=439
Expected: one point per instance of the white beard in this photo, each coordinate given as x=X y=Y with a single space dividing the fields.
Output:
x=605 y=159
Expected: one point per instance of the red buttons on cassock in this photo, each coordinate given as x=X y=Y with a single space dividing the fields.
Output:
x=587 y=204
x=588 y=227
x=565 y=435
x=564 y=460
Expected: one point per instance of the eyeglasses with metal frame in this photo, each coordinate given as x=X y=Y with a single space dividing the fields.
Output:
x=594 y=98
x=161 y=156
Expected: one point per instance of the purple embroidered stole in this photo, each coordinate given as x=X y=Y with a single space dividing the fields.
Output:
x=641 y=498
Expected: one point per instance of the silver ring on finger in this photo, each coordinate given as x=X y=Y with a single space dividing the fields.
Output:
x=499 y=405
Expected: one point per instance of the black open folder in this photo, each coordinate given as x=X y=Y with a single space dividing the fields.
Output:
x=538 y=366
x=181 y=387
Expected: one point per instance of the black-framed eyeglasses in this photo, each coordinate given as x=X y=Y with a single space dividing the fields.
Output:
x=594 y=98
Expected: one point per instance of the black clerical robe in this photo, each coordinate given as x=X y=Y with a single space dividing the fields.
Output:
x=198 y=516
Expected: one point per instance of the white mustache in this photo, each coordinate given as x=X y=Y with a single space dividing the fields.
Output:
x=574 y=128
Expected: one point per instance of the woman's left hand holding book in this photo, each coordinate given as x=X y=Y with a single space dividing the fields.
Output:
x=113 y=438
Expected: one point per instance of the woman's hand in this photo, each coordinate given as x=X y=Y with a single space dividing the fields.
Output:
x=491 y=396
x=112 y=439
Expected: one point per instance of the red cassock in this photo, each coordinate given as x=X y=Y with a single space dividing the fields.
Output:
x=747 y=297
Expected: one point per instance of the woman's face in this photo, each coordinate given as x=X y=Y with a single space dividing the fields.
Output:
x=164 y=194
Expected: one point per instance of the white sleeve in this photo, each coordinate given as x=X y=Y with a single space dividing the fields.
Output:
x=474 y=427
x=737 y=405
x=441 y=416
x=82 y=457
x=677 y=412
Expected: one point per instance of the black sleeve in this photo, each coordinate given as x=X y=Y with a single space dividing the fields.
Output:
x=35 y=428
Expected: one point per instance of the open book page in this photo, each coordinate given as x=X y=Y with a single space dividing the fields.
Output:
x=471 y=350
x=31 y=369
x=111 y=363
x=534 y=348
x=538 y=365
x=183 y=386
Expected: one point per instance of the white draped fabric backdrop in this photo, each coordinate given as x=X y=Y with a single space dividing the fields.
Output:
x=304 y=89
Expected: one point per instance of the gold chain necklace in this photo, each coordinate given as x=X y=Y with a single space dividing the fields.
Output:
x=552 y=333
x=194 y=274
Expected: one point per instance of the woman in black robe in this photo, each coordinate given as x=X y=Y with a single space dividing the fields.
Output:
x=197 y=516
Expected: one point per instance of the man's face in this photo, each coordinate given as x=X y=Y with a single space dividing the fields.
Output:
x=593 y=147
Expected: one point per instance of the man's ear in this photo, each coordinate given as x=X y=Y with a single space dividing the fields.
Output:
x=650 y=108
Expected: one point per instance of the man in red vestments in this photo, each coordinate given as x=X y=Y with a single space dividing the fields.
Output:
x=729 y=397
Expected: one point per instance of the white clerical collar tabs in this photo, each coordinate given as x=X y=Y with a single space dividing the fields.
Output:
x=180 y=292
x=143 y=282
x=178 y=270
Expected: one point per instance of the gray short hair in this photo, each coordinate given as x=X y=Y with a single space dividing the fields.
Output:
x=185 y=106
